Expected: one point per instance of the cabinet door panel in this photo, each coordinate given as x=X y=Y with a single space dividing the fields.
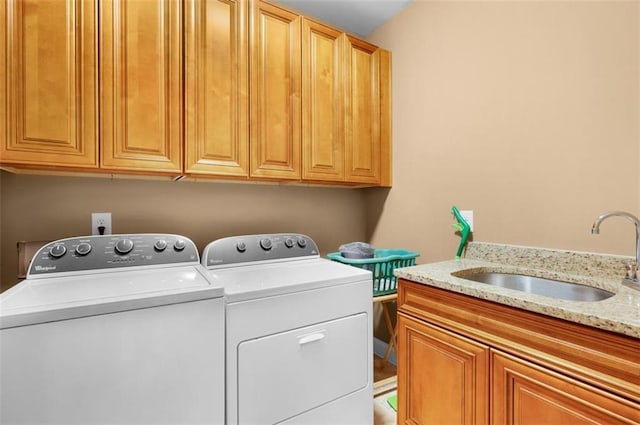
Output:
x=442 y=377
x=526 y=394
x=385 y=119
x=216 y=140
x=275 y=92
x=362 y=112
x=322 y=95
x=141 y=83
x=48 y=113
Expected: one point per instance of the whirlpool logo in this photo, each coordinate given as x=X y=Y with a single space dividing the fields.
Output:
x=45 y=268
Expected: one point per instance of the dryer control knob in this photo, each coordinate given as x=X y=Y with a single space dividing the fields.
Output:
x=289 y=243
x=57 y=251
x=179 y=245
x=302 y=242
x=265 y=244
x=160 y=245
x=241 y=246
x=83 y=248
x=124 y=246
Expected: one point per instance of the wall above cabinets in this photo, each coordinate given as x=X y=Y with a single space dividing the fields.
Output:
x=241 y=90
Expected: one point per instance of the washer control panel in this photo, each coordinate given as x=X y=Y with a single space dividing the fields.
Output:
x=112 y=251
x=251 y=248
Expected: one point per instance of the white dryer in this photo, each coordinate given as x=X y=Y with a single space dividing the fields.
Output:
x=298 y=332
x=113 y=330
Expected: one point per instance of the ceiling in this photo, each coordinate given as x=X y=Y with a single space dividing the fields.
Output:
x=359 y=17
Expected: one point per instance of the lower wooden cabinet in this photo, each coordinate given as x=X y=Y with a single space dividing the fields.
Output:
x=527 y=394
x=462 y=360
x=442 y=378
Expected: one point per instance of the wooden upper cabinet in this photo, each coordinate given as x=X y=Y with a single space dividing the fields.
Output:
x=48 y=81
x=322 y=102
x=216 y=98
x=386 y=156
x=362 y=104
x=228 y=88
x=275 y=92
x=141 y=85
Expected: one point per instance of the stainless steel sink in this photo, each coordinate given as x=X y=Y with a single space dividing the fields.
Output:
x=540 y=286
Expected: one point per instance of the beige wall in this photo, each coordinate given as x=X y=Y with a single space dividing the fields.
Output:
x=47 y=208
x=526 y=112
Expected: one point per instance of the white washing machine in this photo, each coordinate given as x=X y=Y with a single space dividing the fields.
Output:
x=298 y=332
x=113 y=330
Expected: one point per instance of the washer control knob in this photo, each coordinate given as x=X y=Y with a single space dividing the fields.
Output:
x=289 y=243
x=265 y=244
x=179 y=245
x=57 y=251
x=241 y=246
x=83 y=248
x=160 y=245
x=124 y=246
x=302 y=242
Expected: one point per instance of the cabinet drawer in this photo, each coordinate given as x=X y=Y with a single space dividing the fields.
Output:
x=301 y=369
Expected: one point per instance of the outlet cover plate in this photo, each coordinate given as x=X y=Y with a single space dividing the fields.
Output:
x=100 y=219
x=468 y=216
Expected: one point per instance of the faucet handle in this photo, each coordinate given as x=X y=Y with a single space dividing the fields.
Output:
x=632 y=272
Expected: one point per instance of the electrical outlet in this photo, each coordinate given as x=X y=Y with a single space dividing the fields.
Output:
x=468 y=217
x=99 y=221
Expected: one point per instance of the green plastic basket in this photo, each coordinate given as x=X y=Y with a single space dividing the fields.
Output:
x=382 y=265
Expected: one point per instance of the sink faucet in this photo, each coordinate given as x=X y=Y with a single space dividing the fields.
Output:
x=632 y=269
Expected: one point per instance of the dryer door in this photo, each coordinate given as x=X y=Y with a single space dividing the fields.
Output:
x=283 y=375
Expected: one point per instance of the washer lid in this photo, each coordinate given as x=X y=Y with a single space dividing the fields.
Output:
x=58 y=298
x=269 y=279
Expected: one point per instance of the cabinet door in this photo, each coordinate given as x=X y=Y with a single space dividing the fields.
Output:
x=217 y=57
x=275 y=92
x=385 y=119
x=48 y=81
x=362 y=103
x=527 y=394
x=322 y=97
x=141 y=85
x=443 y=378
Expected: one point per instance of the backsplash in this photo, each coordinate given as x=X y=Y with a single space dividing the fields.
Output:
x=562 y=261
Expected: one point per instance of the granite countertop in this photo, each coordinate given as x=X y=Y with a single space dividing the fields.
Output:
x=619 y=313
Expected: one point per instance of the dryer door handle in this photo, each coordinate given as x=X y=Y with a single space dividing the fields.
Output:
x=316 y=336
